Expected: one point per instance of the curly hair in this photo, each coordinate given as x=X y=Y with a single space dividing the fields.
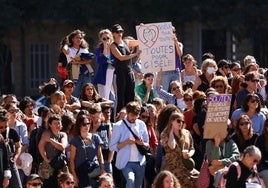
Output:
x=219 y=79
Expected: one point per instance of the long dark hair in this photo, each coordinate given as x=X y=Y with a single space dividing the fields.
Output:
x=164 y=115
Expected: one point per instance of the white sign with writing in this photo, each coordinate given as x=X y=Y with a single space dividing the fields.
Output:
x=157 y=46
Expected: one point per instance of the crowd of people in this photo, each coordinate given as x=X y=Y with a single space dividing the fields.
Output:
x=96 y=124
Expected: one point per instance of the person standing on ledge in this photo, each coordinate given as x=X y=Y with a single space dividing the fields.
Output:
x=124 y=76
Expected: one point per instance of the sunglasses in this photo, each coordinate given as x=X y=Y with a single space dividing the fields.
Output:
x=236 y=70
x=188 y=99
x=35 y=184
x=12 y=111
x=254 y=100
x=69 y=182
x=179 y=121
x=69 y=86
x=86 y=124
x=219 y=86
x=144 y=116
x=243 y=123
x=255 y=80
x=174 y=88
x=107 y=38
x=255 y=161
x=119 y=31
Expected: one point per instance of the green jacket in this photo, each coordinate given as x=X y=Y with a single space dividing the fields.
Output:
x=141 y=90
x=227 y=152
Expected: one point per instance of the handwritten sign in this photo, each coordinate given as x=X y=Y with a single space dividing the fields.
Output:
x=157 y=45
x=217 y=115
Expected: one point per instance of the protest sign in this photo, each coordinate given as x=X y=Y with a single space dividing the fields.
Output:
x=157 y=45
x=218 y=109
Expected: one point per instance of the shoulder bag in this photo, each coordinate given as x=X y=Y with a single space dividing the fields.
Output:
x=141 y=149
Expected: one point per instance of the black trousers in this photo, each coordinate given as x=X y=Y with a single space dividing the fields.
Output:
x=125 y=83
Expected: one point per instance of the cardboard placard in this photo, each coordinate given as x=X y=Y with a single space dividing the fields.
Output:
x=218 y=109
x=157 y=45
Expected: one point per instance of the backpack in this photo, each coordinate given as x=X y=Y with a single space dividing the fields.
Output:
x=220 y=175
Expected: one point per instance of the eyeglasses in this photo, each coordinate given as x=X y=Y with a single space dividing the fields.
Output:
x=69 y=182
x=107 y=38
x=252 y=100
x=35 y=184
x=144 y=116
x=86 y=124
x=179 y=121
x=12 y=111
x=255 y=80
x=219 y=86
x=243 y=123
x=174 y=88
x=119 y=31
x=188 y=99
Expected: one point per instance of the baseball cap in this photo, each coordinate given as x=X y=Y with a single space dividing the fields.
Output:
x=116 y=27
x=33 y=177
x=66 y=82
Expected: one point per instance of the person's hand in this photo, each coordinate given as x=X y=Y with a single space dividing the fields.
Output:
x=139 y=141
x=216 y=162
x=76 y=180
x=185 y=154
x=138 y=53
x=217 y=140
x=18 y=162
x=131 y=141
x=5 y=182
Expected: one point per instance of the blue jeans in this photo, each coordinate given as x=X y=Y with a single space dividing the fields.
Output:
x=82 y=80
x=134 y=174
x=169 y=76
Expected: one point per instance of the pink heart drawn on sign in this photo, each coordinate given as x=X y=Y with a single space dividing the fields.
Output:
x=148 y=35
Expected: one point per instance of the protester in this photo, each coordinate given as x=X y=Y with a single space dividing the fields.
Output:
x=250 y=158
x=72 y=102
x=79 y=60
x=145 y=90
x=52 y=143
x=173 y=75
x=166 y=179
x=12 y=140
x=179 y=148
x=104 y=75
x=66 y=180
x=124 y=76
x=5 y=173
x=129 y=159
x=34 y=180
x=84 y=148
